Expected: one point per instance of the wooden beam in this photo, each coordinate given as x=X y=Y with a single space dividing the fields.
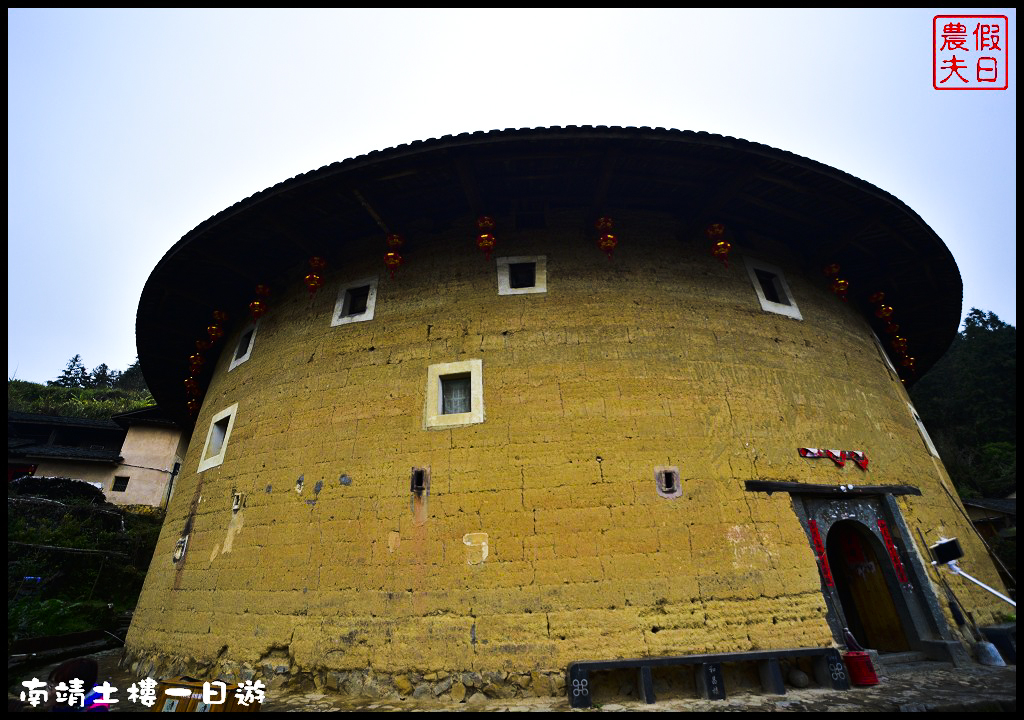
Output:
x=772 y=486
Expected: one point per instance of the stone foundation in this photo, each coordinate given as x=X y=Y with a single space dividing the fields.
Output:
x=276 y=673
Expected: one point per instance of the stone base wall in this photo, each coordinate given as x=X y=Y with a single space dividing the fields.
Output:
x=455 y=686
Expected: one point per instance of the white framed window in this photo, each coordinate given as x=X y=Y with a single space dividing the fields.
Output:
x=217 y=438
x=356 y=302
x=885 y=355
x=455 y=395
x=522 y=275
x=244 y=348
x=924 y=433
x=772 y=289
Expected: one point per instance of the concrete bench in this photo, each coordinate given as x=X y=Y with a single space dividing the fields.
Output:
x=829 y=671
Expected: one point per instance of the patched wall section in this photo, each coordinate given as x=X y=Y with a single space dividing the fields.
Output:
x=661 y=358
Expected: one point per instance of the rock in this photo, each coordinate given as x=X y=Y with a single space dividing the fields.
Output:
x=422 y=691
x=353 y=684
x=333 y=680
x=402 y=685
x=442 y=687
x=540 y=684
x=798 y=678
x=458 y=692
x=522 y=681
x=477 y=699
x=430 y=677
x=472 y=679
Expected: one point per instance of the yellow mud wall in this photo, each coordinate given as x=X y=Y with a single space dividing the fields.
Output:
x=660 y=357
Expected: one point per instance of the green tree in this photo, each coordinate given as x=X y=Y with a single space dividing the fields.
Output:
x=968 y=401
x=131 y=379
x=101 y=377
x=74 y=376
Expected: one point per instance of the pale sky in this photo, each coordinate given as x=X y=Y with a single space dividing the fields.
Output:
x=127 y=128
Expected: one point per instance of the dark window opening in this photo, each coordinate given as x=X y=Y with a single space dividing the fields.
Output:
x=456 y=395
x=356 y=300
x=771 y=287
x=522 y=275
x=220 y=431
x=419 y=481
x=243 y=345
x=669 y=482
x=120 y=484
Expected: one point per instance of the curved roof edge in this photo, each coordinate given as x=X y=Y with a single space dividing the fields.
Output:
x=882 y=243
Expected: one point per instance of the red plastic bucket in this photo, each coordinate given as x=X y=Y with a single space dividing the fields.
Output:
x=862 y=672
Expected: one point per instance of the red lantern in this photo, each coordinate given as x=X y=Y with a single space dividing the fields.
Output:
x=393 y=260
x=831 y=270
x=840 y=288
x=195 y=363
x=891 y=327
x=604 y=224
x=884 y=311
x=313 y=282
x=721 y=251
x=191 y=387
x=220 y=317
x=720 y=247
x=908 y=363
x=486 y=242
x=715 y=231
x=193 y=407
x=607 y=242
x=877 y=298
x=263 y=291
x=203 y=345
x=899 y=344
x=258 y=309
x=317 y=263
x=215 y=332
x=394 y=241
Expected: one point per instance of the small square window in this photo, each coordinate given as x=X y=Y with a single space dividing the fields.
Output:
x=522 y=275
x=454 y=395
x=244 y=348
x=120 y=484
x=356 y=302
x=217 y=438
x=772 y=289
x=667 y=482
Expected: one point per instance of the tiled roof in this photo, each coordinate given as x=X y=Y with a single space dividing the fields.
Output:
x=63 y=453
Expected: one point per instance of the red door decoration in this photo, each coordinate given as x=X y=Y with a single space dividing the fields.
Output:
x=894 y=554
x=819 y=551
